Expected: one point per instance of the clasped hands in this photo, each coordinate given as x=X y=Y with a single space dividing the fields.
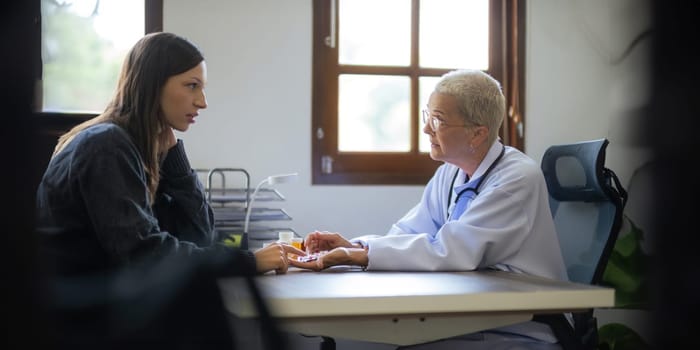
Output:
x=328 y=248
x=332 y=249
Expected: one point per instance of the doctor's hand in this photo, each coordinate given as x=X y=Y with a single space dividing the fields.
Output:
x=337 y=256
x=274 y=257
x=318 y=241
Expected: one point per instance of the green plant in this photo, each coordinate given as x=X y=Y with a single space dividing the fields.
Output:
x=616 y=336
x=627 y=272
x=627 y=269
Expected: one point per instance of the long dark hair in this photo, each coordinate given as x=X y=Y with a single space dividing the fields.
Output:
x=135 y=105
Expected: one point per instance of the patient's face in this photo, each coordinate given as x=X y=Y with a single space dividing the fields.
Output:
x=183 y=96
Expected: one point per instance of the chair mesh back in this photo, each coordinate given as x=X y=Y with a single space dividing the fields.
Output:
x=584 y=229
x=586 y=207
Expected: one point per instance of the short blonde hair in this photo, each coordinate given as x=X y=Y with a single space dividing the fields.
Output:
x=479 y=98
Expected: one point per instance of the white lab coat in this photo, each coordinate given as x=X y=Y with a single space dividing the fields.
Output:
x=508 y=226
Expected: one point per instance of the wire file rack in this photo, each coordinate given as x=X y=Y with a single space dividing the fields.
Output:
x=230 y=198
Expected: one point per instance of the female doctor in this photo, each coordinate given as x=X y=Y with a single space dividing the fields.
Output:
x=486 y=207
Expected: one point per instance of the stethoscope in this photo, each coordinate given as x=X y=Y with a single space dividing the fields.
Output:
x=474 y=189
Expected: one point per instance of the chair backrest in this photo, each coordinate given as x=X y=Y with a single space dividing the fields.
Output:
x=587 y=203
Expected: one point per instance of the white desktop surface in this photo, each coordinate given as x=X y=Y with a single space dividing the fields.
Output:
x=407 y=307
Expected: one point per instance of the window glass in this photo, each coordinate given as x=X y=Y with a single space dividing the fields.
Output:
x=83 y=44
x=426 y=86
x=375 y=32
x=376 y=63
x=372 y=112
x=454 y=34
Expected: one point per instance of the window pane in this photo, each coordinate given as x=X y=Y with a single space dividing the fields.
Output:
x=374 y=32
x=83 y=48
x=426 y=85
x=373 y=113
x=454 y=38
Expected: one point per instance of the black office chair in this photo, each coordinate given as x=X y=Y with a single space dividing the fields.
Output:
x=587 y=203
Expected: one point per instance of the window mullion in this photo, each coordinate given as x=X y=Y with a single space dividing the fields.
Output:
x=414 y=95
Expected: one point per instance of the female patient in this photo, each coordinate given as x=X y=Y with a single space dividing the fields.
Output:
x=119 y=187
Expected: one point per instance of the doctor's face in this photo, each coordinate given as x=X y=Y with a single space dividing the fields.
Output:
x=450 y=141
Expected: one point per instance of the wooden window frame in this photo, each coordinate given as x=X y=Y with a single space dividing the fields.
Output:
x=506 y=59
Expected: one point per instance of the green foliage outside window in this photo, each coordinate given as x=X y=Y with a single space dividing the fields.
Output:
x=80 y=67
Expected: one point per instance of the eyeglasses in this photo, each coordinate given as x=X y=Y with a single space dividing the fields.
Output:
x=434 y=122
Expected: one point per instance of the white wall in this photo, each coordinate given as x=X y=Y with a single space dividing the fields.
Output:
x=259 y=55
x=575 y=87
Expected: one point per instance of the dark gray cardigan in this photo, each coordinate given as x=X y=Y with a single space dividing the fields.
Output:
x=94 y=211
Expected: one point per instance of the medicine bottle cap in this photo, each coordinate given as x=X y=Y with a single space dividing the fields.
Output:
x=286 y=236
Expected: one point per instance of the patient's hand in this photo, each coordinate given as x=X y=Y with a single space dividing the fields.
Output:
x=275 y=257
x=167 y=139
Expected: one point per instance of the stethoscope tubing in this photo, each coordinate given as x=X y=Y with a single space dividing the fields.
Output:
x=478 y=184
